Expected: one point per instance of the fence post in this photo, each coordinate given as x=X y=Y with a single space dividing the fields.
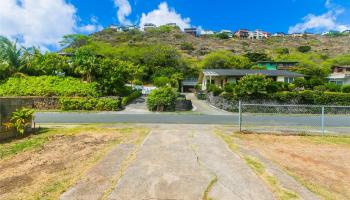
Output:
x=240 y=115
x=322 y=120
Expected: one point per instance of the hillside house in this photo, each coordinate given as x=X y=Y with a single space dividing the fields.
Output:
x=278 y=34
x=242 y=33
x=123 y=28
x=220 y=77
x=192 y=31
x=281 y=65
x=340 y=75
x=228 y=32
x=258 y=35
x=148 y=26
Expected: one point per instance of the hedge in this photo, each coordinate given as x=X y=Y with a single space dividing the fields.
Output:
x=126 y=100
x=48 y=86
x=312 y=98
x=100 y=104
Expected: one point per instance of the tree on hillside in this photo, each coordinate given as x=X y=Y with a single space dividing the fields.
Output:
x=86 y=63
x=225 y=60
x=11 y=55
x=256 y=57
x=76 y=40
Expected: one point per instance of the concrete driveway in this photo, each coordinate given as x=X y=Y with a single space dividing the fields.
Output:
x=184 y=162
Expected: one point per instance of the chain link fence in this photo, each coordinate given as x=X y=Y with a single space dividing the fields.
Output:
x=308 y=119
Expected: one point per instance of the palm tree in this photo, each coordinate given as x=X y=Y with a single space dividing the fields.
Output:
x=11 y=54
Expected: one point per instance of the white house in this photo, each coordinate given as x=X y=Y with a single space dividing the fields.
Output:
x=258 y=34
x=220 y=77
x=340 y=75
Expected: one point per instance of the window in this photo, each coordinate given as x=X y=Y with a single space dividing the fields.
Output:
x=337 y=82
x=288 y=79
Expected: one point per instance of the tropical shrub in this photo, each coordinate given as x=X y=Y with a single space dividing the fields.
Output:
x=253 y=86
x=215 y=89
x=21 y=119
x=162 y=99
x=100 y=104
x=48 y=86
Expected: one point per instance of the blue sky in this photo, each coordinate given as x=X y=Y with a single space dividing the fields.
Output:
x=44 y=22
x=271 y=15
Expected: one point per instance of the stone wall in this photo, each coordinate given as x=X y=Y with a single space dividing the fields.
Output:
x=222 y=103
x=10 y=104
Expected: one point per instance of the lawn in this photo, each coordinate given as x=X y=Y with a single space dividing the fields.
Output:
x=321 y=164
x=44 y=165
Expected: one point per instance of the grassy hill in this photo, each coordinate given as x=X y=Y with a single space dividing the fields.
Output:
x=199 y=46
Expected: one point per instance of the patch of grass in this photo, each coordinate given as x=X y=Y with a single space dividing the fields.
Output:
x=209 y=187
x=257 y=166
x=337 y=140
x=280 y=192
x=12 y=147
x=229 y=140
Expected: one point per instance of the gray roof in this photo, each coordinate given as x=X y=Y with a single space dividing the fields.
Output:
x=243 y=72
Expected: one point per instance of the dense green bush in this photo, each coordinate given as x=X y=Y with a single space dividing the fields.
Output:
x=253 y=86
x=161 y=81
x=48 y=86
x=162 y=99
x=215 y=89
x=304 y=49
x=100 y=104
x=345 y=89
x=312 y=98
x=126 y=100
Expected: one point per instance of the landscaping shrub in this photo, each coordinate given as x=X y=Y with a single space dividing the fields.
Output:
x=100 y=104
x=126 y=100
x=21 y=119
x=215 y=90
x=48 y=86
x=162 y=99
x=161 y=81
x=345 y=89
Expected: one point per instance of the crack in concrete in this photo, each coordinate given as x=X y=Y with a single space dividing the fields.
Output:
x=214 y=179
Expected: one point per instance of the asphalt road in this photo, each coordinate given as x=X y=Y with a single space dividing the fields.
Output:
x=247 y=119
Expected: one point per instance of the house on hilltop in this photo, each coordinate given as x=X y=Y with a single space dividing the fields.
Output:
x=258 y=35
x=192 y=31
x=148 y=26
x=242 y=33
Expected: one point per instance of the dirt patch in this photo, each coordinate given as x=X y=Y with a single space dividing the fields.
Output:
x=49 y=170
x=319 y=163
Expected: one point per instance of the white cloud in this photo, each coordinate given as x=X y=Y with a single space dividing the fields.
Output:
x=164 y=15
x=124 y=10
x=319 y=23
x=40 y=22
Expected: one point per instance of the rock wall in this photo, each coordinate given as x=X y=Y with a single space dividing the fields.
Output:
x=222 y=103
x=10 y=104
